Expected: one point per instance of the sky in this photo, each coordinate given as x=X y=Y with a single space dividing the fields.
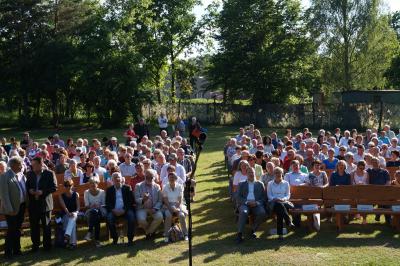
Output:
x=393 y=5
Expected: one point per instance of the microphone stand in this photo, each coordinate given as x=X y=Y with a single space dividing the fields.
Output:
x=188 y=190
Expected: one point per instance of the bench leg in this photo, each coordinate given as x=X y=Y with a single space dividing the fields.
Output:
x=310 y=222
x=396 y=222
x=339 y=221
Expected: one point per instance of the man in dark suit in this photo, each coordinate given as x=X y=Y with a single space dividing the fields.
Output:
x=40 y=185
x=250 y=201
x=119 y=200
x=141 y=129
x=13 y=199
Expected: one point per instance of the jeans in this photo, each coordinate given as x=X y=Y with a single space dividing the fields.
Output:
x=129 y=215
x=93 y=217
x=244 y=211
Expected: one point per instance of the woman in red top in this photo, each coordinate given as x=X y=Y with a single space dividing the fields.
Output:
x=130 y=134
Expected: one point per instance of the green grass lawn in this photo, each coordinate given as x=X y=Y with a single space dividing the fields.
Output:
x=214 y=231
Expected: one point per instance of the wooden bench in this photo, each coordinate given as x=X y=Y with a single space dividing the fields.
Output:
x=305 y=195
x=392 y=171
x=365 y=195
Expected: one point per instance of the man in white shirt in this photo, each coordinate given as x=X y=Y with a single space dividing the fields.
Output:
x=179 y=169
x=163 y=122
x=359 y=156
x=127 y=168
x=296 y=178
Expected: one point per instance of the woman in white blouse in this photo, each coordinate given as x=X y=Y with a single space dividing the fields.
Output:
x=94 y=202
x=173 y=205
x=278 y=192
x=240 y=175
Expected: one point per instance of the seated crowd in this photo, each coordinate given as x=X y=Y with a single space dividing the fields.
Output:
x=263 y=168
x=143 y=178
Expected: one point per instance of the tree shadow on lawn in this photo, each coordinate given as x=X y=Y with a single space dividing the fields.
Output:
x=86 y=252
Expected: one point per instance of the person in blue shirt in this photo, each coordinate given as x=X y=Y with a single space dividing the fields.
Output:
x=383 y=139
x=340 y=177
x=331 y=162
x=379 y=176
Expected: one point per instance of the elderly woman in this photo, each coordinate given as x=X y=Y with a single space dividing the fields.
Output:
x=73 y=172
x=269 y=174
x=340 y=177
x=94 y=202
x=3 y=167
x=173 y=205
x=112 y=167
x=316 y=177
x=257 y=168
x=278 y=192
x=241 y=174
x=69 y=202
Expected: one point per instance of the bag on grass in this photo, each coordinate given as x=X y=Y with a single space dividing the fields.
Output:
x=175 y=233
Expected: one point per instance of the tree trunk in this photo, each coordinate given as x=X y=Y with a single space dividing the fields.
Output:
x=158 y=89
x=173 y=91
x=346 y=39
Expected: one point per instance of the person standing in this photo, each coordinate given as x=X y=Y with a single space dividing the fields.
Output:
x=141 y=130
x=180 y=127
x=194 y=131
x=13 y=199
x=40 y=184
x=163 y=122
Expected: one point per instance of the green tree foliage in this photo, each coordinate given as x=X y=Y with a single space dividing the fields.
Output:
x=264 y=54
x=66 y=56
x=393 y=73
x=355 y=41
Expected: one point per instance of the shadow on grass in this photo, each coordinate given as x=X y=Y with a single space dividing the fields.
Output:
x=214 y=220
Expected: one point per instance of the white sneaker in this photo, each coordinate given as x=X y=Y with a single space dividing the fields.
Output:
x=166 y=240
x=186 y=238
x=88 y=236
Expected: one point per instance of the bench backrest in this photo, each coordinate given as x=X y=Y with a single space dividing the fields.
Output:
x=305 y=192
x=340 y=195
x=306 y=195
x=375 y=194
x=60 y=179
x=392 y=171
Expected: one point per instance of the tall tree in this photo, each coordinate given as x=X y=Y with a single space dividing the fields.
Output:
x=264 y=51
x=22 y=32
x=177 y=30
x=355 y=41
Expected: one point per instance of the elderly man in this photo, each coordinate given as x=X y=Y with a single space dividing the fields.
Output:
x=119 y=200
x=148 y=198
x=58 y=141
x=127 y=168
x=250 y=201
x=40 y=184
x=13 y=199
x=379 y=176
x=113 y=144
